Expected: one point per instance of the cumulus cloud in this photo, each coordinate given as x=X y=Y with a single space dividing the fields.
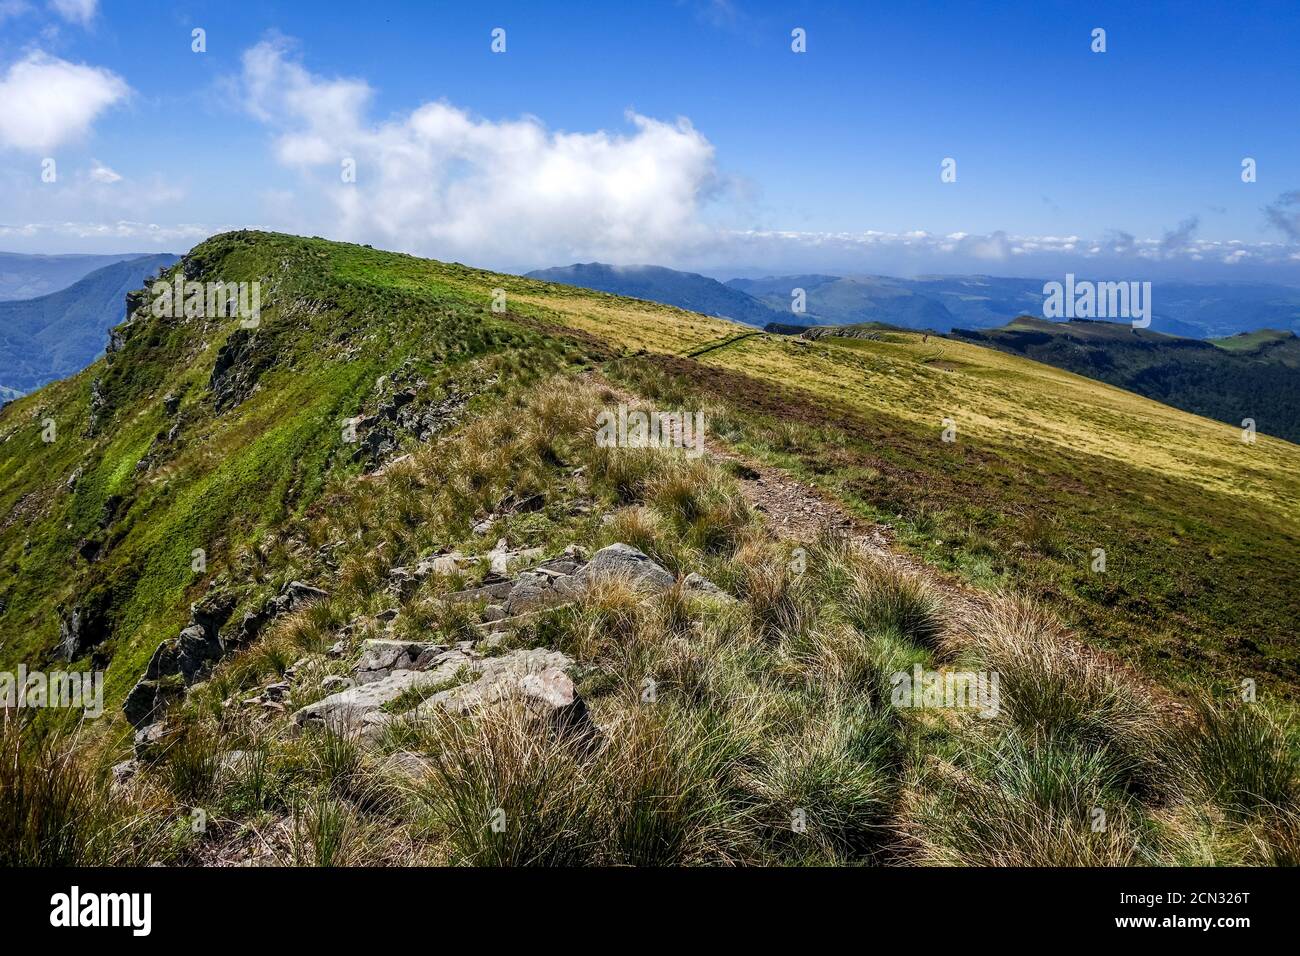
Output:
x=49 y=101
x=75 y=11
x=441 y=181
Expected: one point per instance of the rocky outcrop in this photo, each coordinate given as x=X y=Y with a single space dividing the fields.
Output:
x=360 y=709
x=456 y=679
x=188 y=657
x=379 y=658
x=82 y=626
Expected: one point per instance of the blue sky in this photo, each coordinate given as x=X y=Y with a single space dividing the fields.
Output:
x=746 y=157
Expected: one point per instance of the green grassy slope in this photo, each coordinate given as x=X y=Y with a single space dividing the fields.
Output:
x=1244 y=376
x=334 y=319
x=1202 y=532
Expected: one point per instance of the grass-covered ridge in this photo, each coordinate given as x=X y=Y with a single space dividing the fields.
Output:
x=769 y=735
x=760 y=728
x=119 y=540
x=1201 y=530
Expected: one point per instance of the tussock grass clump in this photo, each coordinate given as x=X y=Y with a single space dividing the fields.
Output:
x=57 y=809
x=663 y=783
x=706 y=508
x=190 y=760
x=326 y=832
x=882 y=600
x=1050 y=689
x=609 y=622
x=1236 y=757
x=624 y=472
x=827 y=794
x=780 y=602
x=1011 y=802
x=502 y=794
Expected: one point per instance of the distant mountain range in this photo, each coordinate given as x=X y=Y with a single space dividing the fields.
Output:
x=27 y=276
x=1253 y=375
x=686 y=290
x=59 y=334
x=939 y=303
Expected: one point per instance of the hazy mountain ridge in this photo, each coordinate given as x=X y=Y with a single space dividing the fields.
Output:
x=938 y=303
x=59 y=334
x=28 y=276
x=685 y=290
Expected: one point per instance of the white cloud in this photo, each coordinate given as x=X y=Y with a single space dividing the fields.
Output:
x=440 y=181
x=48 y=101
x=75 y=11
x=102 y=174
x=12 y=8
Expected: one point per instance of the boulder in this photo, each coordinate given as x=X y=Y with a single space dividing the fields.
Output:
x=701 y=586
x=124 y=773
x=296 y=595
x=625 y=561
x=148 y=740
x=536 y=675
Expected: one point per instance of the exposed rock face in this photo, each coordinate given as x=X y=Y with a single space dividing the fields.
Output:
x=533 y=591
x=296 y=595
x=360 y=708
x=82 y=627
x=187 y=657
x=537 y=676
x=379 y=658
x=456 y=679
x=236 y=369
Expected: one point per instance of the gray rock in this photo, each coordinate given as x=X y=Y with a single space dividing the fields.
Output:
x=696 y=584
x=623 y=560
x=297 y=595
x=336 y=682
x=360 y=708
x=124 y=772
x=535 y=591
x=149 y=739
x=405 y=764
x=379 y=658
x=536 y=675
x=232 y=761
